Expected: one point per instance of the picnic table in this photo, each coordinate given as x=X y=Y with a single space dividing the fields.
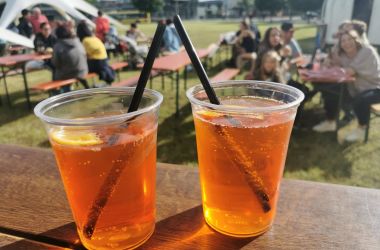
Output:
x=173 y=64
x=19 y=61
x=34 y=213
x=327 y=78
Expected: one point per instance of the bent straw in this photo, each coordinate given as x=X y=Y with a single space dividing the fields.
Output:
x=112 y=179
x=253 y=179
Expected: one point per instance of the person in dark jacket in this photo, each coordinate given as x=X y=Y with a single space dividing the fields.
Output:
x=43 y=44
x=24 y=26
x=69 y=57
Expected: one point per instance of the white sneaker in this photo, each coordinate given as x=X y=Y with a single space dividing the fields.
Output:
x=356 y=135
x=325 y=126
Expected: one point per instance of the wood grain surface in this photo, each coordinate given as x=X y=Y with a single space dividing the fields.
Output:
x=310 y=215
x=9 y=242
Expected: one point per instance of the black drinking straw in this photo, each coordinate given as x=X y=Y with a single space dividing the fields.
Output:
x=113 y=176
x=251 y=176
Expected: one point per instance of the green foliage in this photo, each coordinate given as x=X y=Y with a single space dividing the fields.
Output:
x=247 y=5
x=302 y=5
x=270 y=5
x=148 y=5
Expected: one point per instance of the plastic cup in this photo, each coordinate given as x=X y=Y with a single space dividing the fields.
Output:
x=107 y=161
x=242 y=146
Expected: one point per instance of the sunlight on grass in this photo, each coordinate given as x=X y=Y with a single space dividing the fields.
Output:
x=311 y=156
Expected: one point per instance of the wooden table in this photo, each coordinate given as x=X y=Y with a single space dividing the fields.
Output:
x=34 y=213
x=19 y=61
x=325 y=77
x=173 y=64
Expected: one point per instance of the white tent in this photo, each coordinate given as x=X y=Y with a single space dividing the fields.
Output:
x=334 y=12
x=68 y=8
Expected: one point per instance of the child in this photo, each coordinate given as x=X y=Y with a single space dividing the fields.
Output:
x=269 y=69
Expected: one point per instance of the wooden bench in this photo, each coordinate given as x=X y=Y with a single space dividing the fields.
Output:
x=117 y=67
x=375 y=110
x=225 y=75
x=53 y=85
x=132 y=81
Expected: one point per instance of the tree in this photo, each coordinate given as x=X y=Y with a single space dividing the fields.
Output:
x=302 y=5
x=148 y=5
x=271 y=6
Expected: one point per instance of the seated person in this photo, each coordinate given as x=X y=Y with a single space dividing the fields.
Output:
x=287 y=32
x=43 y=44
x=269 y=69
x=362 y=62
x=135 y=33
x=245 y=46
x=171 y=41
x=271 y=41
x=96 y=54
x=69 y=58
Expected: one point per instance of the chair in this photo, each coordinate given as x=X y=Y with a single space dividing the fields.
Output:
x=375 y=110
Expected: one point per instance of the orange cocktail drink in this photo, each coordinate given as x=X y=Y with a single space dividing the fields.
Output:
x=242 y=146
x=107 y=161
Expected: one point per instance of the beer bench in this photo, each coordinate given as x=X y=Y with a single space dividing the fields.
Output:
x=132 y=81
x=117 y=67
x=54 y=85
x=375 y=110
x=225 y=75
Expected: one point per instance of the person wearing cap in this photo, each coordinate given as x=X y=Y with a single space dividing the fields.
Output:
x=287 y=36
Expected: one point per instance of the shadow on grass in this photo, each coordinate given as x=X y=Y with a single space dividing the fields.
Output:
x=16 y=110
x=176 y=138
x=308 y=149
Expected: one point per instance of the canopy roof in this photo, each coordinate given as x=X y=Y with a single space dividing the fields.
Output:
x=73 y=8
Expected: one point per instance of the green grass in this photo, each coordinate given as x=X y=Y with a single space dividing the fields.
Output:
x=311 y=156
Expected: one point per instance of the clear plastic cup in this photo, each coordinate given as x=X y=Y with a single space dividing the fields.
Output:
x=107 y=161
x=242 y=147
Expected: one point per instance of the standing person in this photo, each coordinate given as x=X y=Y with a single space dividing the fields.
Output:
x=102 y=26
x=36 y=19
x=362 y=62
x=97 y=59
x=287 y=31
x=69 y=58
x=43 y=44
x=25 y=28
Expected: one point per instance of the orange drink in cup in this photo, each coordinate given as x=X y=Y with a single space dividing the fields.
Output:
x=107 y=161
x=242 y=146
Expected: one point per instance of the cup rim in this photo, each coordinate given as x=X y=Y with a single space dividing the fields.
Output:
x=296 y=93
x=49 y=103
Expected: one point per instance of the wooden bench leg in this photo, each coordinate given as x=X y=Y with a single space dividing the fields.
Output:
x=6 y=86
x=366 y=133
x=185 y=78
x=163 y=81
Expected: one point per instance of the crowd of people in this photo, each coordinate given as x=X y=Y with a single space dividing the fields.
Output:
x=269 y=57
x=75 y=49
x=359 y=59
x=271 y=60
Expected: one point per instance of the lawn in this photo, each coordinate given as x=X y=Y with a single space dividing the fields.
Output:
x=312 y=156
